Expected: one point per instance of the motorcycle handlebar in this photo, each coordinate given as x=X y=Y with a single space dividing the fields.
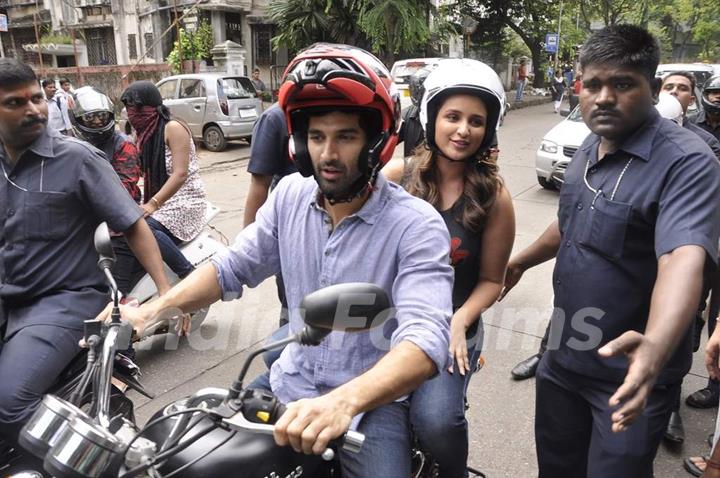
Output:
x=351 y=441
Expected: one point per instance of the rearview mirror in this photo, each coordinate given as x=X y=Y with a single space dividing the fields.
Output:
x=350 y=307
x=103 y=246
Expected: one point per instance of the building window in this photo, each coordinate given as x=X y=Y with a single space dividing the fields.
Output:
x=101 y=46
x=148 y=45
x=262 y=45
x=233 y=27
x=132 y=46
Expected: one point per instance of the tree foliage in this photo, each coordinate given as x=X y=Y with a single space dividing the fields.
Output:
x=387 y=27
x=530 y=20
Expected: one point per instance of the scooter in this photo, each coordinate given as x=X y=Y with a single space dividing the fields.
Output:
x=77 y=391
x=198 y=251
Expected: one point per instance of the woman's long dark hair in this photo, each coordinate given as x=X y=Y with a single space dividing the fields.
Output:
x=482 y=182
x=152 y=153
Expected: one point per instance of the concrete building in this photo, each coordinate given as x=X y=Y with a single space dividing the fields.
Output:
x=112 y=32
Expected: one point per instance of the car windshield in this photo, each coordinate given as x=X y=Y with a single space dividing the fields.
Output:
x=237 y=88
x=575 y=115
x=401 y=72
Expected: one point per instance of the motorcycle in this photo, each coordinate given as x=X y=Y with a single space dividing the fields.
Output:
x=72 y=393
x=198 y=251
x=215 y=432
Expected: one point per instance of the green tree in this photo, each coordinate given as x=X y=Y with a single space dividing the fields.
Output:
x=530 y=20
x=387 y=27
x=191 y=45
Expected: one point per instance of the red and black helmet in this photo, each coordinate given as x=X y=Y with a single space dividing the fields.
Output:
x=330 y=76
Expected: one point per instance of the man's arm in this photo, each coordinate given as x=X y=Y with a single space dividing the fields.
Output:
x=673 y=305
x=309 y=425
x=256 y=197
x=199 y=289
x=422 y=293
x=542 y=250
x=143 y=244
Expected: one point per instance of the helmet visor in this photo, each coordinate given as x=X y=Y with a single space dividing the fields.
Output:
x=96 y=119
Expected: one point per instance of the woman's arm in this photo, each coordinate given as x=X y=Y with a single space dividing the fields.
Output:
x=177 y=139
x=496 y=245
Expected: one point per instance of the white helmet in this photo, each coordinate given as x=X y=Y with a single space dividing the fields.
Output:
x=462 y=76
x=669 y=107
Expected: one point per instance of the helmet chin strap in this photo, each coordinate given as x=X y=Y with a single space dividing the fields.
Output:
x=365 y=182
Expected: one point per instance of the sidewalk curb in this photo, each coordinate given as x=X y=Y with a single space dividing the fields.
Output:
x=533 y=101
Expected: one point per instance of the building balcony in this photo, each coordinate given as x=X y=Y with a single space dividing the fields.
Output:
x=28 y=21
x=16 y=3
x=94 y=21
x=91 y=3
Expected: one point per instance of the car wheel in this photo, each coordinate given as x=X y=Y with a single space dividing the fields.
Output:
x=545 y=183
x=214 y=139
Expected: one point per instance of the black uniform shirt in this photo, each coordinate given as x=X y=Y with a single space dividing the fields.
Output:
x=669 y=196
x=269 y=149
x=51 y=201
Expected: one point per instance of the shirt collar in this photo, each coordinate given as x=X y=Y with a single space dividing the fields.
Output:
x=639 y=144
x=42 y=146
x=372 y=207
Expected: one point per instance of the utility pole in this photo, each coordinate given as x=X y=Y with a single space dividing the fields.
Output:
x=37 y=39
x=557 y=52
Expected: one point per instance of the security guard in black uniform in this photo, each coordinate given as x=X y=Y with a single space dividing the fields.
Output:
x=637 y=229
x=54 y=191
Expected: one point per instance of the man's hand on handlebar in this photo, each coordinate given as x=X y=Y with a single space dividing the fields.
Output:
x=144 y=316
x=309 y=425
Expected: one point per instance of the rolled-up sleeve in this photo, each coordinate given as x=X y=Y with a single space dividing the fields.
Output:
x=422 y=290
x=254 y=256
x=689 y=210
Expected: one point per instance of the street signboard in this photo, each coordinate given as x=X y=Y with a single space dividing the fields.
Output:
x=3 y=23
x=551 y=42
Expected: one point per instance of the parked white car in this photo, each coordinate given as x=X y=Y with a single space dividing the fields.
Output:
x=557 y=149
x=401 y=72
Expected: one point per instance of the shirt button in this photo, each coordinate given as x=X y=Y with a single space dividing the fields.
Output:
x=12 y=177
x=11 y=212
x=579 y=206
x=567 y=243
x=557 y=281
x=327 y=252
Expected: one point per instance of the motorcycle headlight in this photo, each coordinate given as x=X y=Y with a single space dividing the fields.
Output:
x=548 y=146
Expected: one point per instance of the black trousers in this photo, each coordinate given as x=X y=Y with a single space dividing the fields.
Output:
x=30 y=362
x=573 y=433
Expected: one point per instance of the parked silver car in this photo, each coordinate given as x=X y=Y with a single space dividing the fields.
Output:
x=217 y=107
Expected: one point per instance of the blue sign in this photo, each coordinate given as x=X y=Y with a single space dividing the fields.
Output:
x=551 y=42
x=3 y=23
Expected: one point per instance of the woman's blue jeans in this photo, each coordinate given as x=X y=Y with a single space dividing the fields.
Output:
x=168 y=244
x=437 y=412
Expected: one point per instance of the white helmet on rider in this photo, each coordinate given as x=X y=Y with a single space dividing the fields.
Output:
x=462 y=76
x=669 y=107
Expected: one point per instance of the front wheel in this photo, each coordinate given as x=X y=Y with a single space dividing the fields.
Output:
x=545 y=183
x=214 y=139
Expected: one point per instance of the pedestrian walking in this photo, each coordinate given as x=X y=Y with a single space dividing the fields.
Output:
x=558 y=90
x=521 y=80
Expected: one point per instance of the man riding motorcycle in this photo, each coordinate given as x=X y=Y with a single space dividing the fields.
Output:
x=341 y=222
x=710 y=100
x=54 y=191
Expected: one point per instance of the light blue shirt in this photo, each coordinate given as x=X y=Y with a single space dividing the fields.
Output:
x=395 y=241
